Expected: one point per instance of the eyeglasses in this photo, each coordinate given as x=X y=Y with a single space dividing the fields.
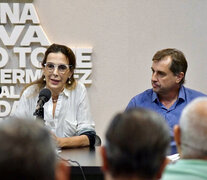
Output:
x=62 y=68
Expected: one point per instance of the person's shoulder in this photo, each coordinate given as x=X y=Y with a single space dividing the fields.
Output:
x=174 y=170
x=141 y=99
x=145 y=94
x=170 y=172
x=79 y=87
x=185 y=169
x=193 y=93
x=78 y=90
x=31 y=90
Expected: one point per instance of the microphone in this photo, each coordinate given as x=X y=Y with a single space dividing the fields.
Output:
x=44 y=96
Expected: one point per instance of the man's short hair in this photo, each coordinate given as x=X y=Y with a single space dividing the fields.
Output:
x=136 y=143
x=27 y=151
x=179 y=62
x=193 y=125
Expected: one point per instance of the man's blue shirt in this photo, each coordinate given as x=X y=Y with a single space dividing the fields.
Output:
x=149 y=99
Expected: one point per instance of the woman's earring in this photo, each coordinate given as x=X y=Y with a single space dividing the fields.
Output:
x=69 y=81
x=44 y=79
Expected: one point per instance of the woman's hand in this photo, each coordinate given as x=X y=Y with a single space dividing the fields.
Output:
x=70 y=142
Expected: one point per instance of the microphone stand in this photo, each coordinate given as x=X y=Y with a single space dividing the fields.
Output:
x=39 y=113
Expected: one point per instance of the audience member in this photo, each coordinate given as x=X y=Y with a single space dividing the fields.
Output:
x=136 y=146
x=27 y=152
x=191 y=140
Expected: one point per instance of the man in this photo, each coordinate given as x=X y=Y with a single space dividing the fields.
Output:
x=27 y=152
x=136 y=146
x=168 y=96
x=191 y=140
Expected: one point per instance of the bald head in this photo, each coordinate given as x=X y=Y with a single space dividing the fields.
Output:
x=193 y=125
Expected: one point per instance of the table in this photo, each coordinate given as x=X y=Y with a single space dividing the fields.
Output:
x=88 y=158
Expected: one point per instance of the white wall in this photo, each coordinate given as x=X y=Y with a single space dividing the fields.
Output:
x=124 y=35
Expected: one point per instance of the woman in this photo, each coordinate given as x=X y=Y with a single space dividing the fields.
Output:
x=67 y=113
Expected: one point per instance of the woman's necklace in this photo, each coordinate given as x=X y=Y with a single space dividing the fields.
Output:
x=54 y=100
